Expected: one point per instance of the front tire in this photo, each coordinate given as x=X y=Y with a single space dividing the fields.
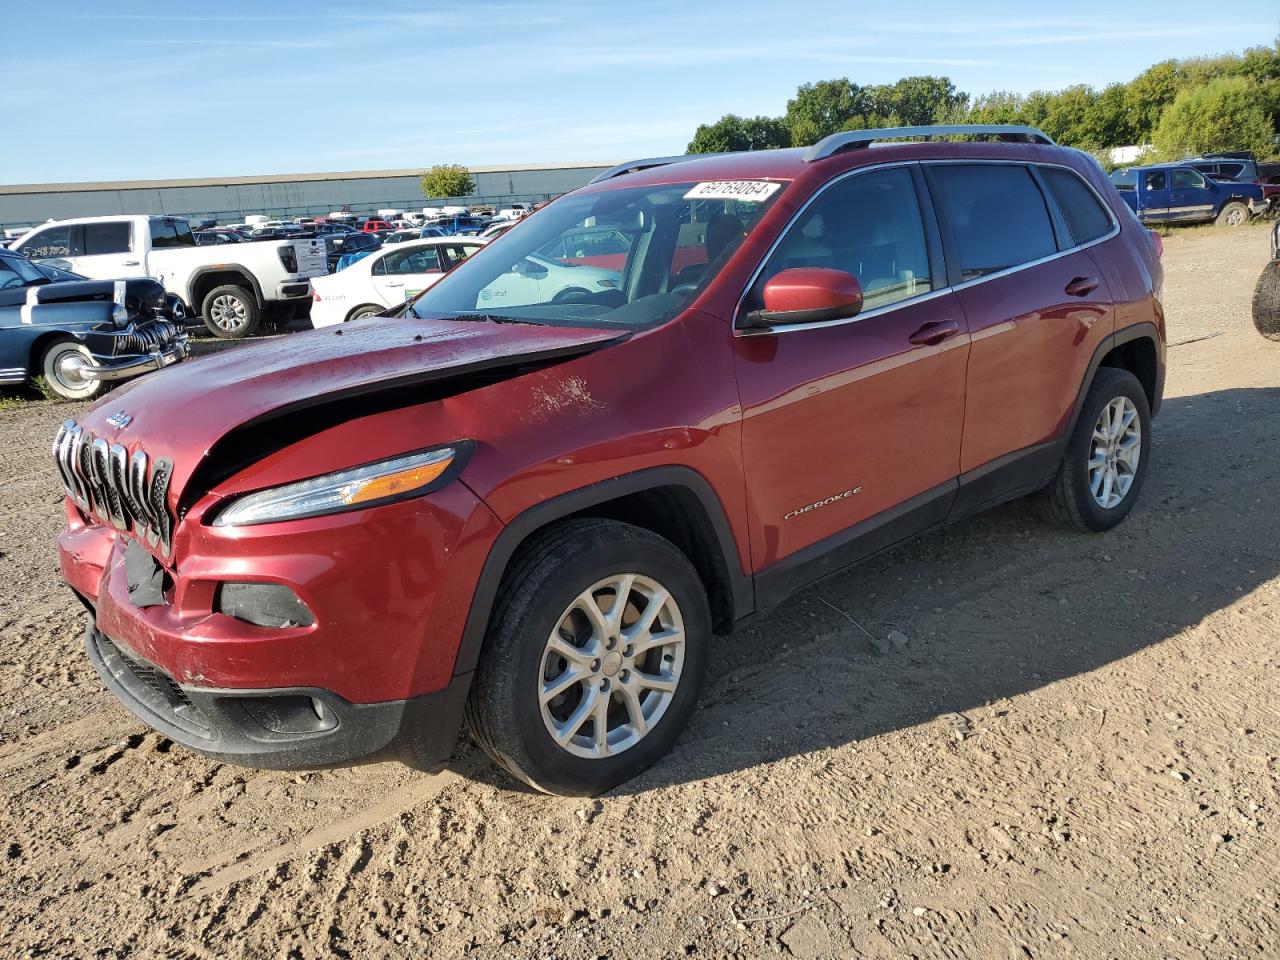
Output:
x=1233 y=214
x=231 y=312
x=576 y=693
x=60 y=366
x=1106 y=458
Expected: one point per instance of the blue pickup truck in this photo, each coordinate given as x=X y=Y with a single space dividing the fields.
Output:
x=1179 y=193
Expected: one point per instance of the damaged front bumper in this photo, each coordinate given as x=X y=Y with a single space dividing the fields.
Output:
x=287 y=728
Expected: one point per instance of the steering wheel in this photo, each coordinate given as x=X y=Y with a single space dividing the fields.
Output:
x=684 y=288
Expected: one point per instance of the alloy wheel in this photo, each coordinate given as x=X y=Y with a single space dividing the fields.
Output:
x=611 y=666
x=1114 y=452
x=228 y=313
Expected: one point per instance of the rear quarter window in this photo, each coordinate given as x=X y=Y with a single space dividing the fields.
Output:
x=1125 y=179
x=1086 y=217
x=996 y=214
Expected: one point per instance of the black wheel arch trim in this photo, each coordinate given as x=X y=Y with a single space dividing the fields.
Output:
x=514 y=533
x=242 y=272
x=1136 y=331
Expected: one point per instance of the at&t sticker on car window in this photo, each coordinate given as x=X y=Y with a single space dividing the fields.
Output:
x=751 y=190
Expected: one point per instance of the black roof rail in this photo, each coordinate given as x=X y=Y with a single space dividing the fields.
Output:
x=858 y=139
x=635 y=166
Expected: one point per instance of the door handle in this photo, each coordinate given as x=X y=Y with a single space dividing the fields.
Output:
x=395 y=283
x=130 y=263
x=935 y=331
x=1081 y=286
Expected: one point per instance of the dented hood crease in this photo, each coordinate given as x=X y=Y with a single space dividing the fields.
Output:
x=184 y=412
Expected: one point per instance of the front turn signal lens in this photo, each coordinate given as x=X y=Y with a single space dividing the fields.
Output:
x=375 y=483
x=394 y=484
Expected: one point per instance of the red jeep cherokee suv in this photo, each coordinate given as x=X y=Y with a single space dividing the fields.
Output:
x=530 y=500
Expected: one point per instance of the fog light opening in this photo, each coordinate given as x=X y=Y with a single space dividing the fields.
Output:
x=263 y=605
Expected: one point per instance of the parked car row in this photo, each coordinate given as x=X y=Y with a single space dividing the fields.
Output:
x=231 y=291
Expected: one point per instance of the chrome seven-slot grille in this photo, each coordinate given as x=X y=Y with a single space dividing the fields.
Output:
x=104 y=479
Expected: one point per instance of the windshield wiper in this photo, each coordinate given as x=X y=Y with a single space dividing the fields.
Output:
x=490 y=317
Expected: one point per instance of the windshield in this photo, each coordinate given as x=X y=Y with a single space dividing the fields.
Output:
x=632 y=257
x=15 y=272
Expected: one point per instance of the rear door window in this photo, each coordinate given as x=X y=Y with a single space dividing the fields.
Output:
x=1125 y=179
x=996 y=214
x=167 y=232
x=109 y=237
x=1086 y=217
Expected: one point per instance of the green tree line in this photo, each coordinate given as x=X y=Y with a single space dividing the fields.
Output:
x=1229 y=102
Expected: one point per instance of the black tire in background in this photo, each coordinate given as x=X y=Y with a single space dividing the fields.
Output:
x=58 y=379
x=1068 y=501
x=504 y=712
x=364 y=310
x=1266 y=301
x=231 y=312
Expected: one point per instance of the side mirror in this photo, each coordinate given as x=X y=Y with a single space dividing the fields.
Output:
x=808 y=295
x=528 y=268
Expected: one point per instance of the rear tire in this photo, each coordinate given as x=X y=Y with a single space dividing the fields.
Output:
x=1106 y=459
x=231 y=312
x=1234 y=214
x=548 y=633
x=1266 y=301
x=365 y=310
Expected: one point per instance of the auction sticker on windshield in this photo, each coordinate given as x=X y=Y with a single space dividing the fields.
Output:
x=754 y=190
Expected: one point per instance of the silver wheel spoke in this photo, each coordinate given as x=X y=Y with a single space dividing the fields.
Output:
x=620 y=597
x=566 y=681
x=635 y=710
x=597 y=618
x=558 y=644
x=600 y=715
x=641 y=647
x=564 y=732
x=651 y=682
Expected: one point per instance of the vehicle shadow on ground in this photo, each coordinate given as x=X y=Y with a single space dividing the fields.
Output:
x=999 y=604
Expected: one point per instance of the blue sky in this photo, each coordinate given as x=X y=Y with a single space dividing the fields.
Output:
x=137 y=89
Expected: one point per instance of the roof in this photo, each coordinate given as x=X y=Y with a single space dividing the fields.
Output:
x=792 y=163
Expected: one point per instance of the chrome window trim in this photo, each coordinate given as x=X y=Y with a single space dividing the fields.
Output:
x=912 y=301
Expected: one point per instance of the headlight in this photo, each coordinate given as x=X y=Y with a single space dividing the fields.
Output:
x=383 y=482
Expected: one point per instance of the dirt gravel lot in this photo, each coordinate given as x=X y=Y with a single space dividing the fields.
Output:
x=1076 y=754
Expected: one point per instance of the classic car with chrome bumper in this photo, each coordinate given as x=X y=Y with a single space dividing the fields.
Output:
x=77 y=335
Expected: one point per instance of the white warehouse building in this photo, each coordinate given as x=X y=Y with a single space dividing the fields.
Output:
x=283 y=196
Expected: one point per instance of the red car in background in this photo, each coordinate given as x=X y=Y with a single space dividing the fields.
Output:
x=375 y=226
x=535 y=508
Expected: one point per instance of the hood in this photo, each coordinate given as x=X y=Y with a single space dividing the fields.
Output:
x=139 y=293
x=219 y=413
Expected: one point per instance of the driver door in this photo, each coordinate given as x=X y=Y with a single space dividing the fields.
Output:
x=851 y=428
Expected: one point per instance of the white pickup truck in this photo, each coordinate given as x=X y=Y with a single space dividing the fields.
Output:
x=230 y=286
